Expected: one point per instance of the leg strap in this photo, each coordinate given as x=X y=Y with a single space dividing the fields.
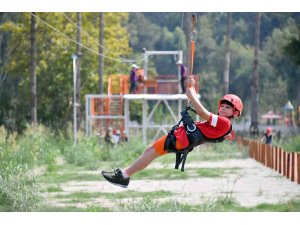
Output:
x=181 y=157
x=170 y=146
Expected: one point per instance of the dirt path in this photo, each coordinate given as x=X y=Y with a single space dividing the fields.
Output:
x=252 y=185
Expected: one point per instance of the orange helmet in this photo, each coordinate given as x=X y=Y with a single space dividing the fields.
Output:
x=235 y=101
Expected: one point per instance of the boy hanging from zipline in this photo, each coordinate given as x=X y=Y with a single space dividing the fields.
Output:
x=183 y=138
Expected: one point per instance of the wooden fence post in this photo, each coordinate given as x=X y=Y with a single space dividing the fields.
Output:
x=278 y=158
x=274 y=158
x=292 y=165
x=286 y=164
x=265 y=154
x=283 y=163
x=297 y=168
x=269 y=162
x=262 y=149
x=259 y=153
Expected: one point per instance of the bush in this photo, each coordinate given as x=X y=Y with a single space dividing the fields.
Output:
x=18 y=192
x=292 y=144
x=18 y=158
x=87 y=152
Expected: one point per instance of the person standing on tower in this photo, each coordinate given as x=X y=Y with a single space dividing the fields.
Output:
x=183 y=75
x=133 y=79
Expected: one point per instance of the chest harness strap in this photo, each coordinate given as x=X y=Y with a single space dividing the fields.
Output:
x=194 y=135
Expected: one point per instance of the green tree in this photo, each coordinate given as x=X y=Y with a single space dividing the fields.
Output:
x=292 y=50
x=284 y=69
x=55 y=45
x=255 y=78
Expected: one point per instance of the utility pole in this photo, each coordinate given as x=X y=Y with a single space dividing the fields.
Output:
x=74 y=57
x=33 y=105
x=101 y=51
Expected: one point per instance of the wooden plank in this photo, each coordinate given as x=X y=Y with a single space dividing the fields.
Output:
x=297 y=168
x=275 y=158
x=286 y=165
x=292 y=166
x=283 y=163
x=280 y=161
x=259 y=159
x=265 y=154
x=269 y=156
x=272 y=150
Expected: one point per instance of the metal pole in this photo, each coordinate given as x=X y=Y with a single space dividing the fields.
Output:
x=144 y=122
x=127 y=117
x=87 y=113
x=74 y=57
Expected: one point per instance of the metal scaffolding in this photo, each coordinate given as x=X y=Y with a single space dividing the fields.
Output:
x=173 y=104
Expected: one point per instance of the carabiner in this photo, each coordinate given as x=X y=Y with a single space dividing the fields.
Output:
x=189 y=129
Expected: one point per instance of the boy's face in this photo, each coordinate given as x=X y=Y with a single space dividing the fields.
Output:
x=225 y=110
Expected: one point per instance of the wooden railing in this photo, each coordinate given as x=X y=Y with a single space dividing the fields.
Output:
x=285 y=163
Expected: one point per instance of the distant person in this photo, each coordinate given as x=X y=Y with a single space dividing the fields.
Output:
x=108 y=137
x=133 y=79
x=183 y=75
x=140 y=80
x=140 y=76
x=124 y=137
x=278 y=135
x=101 y=134
x=267 y=137
x=116 y=136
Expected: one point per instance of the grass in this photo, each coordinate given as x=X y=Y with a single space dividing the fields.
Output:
x=18 y=193
x=172 y=174
x=148 y=204
x=83 y=196
x=292 y=144
x=38 y=147
x=88 y=208
x=219 y=204
x=54 y=189
x=67 y=177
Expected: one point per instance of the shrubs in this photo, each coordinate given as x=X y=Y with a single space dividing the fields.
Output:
x=292 y=144
x=18 y=157
x=18 y=192
x=85 y=153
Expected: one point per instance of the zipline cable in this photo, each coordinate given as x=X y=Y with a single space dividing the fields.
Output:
x=193 y=38
x=83 y=46
x=138 y=59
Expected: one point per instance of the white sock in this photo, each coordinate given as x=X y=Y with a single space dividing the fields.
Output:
x=125 y=175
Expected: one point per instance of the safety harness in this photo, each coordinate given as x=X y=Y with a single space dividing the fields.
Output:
x=194 y=135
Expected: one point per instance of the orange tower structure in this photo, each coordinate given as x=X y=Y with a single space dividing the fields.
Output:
x=112 y=104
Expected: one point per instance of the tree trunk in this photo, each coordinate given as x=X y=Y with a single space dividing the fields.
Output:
x=227 y=56
x=33 y=105
x=78 y=80
x=255 y=79
x=101 y=50
x=1 y=38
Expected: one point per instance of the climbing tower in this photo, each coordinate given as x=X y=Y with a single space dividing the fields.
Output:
x=108 y=110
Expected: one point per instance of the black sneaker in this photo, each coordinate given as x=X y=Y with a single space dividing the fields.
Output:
x=116 y=178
